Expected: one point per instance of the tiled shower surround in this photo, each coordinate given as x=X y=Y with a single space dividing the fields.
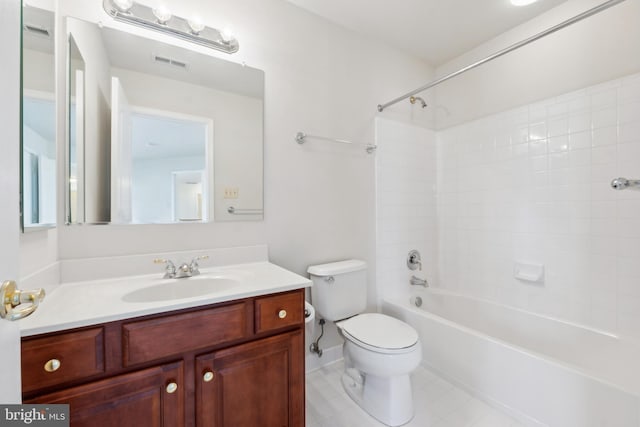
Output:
x=533 y=185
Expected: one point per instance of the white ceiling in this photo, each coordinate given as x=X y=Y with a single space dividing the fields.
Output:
x=434 y=30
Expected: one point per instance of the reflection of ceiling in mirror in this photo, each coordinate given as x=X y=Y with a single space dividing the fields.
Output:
x=187 y=177
x=157 y=137
x=136 y=53
x=39 y=20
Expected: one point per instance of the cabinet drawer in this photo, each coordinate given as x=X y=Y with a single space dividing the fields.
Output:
x=146 y=340
x=279 y=311
x=61 y=358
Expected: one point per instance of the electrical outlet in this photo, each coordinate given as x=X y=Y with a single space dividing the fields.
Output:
x=231 y=192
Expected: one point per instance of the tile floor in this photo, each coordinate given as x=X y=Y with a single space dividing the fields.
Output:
x=437 y=403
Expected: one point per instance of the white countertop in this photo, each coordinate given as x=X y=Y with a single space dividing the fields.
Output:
x=79 y=304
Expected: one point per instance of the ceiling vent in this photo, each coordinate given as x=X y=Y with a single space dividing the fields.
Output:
x=39 y=31
x=169 y=61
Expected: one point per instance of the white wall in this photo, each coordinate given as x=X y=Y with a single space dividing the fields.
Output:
x=405 y=204
x=320 y=79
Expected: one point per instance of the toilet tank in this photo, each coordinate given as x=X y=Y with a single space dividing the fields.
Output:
x=339 y=289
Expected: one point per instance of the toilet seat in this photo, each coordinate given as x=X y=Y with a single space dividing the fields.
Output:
x=379 y=333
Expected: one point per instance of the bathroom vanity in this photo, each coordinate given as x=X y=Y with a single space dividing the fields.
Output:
x=235 y=362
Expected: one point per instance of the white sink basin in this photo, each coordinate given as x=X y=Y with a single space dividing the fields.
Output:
x=174 y=289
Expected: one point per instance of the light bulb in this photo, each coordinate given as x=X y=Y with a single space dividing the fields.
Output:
x=196 y=25
x=227 y=34
x=162 y=14
x=123 y=6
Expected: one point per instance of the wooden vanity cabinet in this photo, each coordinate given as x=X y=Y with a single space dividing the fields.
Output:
x=236 y=364
x=254 y=384
x=152 y=397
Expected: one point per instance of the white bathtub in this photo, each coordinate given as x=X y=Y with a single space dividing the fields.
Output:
x=543 y=371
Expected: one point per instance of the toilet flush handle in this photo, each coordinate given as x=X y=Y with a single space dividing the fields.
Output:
x=329 y=279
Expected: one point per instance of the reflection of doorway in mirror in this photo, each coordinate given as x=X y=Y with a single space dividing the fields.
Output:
x=39 y=159
x=187 y=195
x=170 y=166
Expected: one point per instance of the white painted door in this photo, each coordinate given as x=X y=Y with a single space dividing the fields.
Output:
x=9 y=190
x=121 y=154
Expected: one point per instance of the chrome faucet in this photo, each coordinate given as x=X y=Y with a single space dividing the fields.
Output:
x=416 y=281
x=184 y=270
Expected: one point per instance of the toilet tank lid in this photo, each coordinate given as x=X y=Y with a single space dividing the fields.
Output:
x=337 y=267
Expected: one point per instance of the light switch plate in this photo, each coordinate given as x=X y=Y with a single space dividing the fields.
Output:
x=231 y=192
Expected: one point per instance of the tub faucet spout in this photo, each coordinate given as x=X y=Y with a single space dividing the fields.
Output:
x=416 y=281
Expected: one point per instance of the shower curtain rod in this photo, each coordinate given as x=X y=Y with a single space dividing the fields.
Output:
x=571 y=21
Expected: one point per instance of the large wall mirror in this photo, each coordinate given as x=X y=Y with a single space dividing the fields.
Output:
x=38 y=191
x=158 y=133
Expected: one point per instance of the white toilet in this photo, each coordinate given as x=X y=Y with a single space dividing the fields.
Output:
x=379 y=351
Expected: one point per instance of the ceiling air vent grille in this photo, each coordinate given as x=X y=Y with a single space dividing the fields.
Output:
x=43 y=32
x=169 y=61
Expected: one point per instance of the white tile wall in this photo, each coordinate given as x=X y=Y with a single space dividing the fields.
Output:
x=405 y=203
x=533 y=184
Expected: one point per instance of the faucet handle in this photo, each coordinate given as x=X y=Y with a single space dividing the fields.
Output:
x=414 y=260
x=193 y=266
x=170 y=269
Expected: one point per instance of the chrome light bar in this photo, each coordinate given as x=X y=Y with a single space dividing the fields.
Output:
x=161 y=20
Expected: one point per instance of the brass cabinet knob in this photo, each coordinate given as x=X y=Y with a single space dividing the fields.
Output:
x=282 y=314
x=208 y=376
x=52 y=365
x=172 y=387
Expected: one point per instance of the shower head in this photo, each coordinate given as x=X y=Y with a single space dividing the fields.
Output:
x=413 y=100
x=624 y=183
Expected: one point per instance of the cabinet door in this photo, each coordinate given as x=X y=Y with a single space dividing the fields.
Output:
x=142 y=398
x=259 y=384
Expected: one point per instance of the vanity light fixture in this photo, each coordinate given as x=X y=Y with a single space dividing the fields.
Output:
x=197 y=26
x=123 y=6
x=227 y=34
x=160 y=19
x=162 y=13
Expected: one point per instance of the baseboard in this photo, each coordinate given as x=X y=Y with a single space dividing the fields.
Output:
x=329 y=355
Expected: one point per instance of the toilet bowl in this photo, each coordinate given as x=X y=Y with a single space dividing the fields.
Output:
x=379 y=353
